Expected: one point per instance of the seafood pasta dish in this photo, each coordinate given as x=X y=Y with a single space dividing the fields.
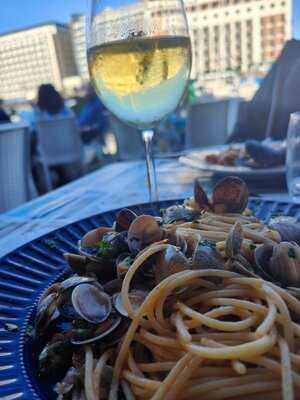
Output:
x=199 y=303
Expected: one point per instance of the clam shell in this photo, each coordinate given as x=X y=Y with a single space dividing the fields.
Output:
x=74 y=281
x=136 y=298
x=230 y=195
x=91 y=303
x=101 y=331
x=124 y=219
x=46 y=312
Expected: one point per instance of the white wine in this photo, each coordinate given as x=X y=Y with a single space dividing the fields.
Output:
x=140 y=79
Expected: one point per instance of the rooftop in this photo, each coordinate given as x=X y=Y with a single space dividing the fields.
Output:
x=27 y=28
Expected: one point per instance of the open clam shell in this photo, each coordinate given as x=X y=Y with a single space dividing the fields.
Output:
x=74 y=281
x=96 y=333
x=230 y=195
x=262 y=255
x=200 y=196
x=143 y=231
x=91 y=303
x=168 y=262
x=136 y=297
x=124 y=219
x=46 y=312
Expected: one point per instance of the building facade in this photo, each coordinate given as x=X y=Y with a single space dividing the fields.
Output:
x=227 y=35
x=237 y=35
x=32 y=56
x=77 y=28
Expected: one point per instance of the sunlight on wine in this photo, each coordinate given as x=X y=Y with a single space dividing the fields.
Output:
x=141 y=79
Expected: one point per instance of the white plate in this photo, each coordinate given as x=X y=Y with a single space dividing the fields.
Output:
x=196 y=159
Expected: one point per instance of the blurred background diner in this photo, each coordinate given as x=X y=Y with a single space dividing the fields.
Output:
x=244 y=84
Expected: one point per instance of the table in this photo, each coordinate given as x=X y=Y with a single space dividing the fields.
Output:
x=113 y=186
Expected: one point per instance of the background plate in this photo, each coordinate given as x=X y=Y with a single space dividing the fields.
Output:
x=196 y=159
x=27 y=271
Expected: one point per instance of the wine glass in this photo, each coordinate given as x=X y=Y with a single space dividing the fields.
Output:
x=139 y=57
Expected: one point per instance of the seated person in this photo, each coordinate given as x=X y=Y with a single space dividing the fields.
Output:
x=4 y=117
x=50 y=104
x=267 y=114
x=93 y=119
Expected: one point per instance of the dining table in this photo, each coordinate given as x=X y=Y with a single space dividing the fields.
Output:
x=116 y=185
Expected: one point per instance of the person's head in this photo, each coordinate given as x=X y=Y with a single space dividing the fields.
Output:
x=49 y=99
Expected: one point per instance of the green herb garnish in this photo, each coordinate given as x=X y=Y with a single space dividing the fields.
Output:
x=252 y=246
x=30 y=331
x=104 y=248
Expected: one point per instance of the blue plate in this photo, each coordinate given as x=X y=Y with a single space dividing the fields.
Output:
x=27 y=271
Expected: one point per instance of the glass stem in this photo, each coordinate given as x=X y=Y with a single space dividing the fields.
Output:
x=151 y=174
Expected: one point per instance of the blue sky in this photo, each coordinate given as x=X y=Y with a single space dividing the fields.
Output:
x=17 y=14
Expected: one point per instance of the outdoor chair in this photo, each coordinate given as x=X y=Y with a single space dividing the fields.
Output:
x=129 y=140
x=209 y=124
x=59 y=145
x=17 y=185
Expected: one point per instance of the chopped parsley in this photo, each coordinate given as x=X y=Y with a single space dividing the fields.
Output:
x=104 y=248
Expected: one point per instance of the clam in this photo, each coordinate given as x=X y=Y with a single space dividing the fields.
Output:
x=84 y=334
x=91 y=303
x=113 y=286
x=143 y=231
x=288 y=231
x=136 y=297
x=46 y=312
x=73 y=281
x=51 y=289
x=262 y=256
x=93 y=237
x=168 y=262
x=178 y=213
x=56 y=357
x=206 y=257
x=230 y=195
x=76 y=262
x=124 y=219
x=234 y=241
x=108 y=247
x=279 y=263
x=285 y=263
x=176 y=238
x=200 y=196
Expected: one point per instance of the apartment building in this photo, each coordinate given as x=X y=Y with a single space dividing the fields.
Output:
x=237 y=34
x=32 y=56
x=77 y=28
x=227 y=35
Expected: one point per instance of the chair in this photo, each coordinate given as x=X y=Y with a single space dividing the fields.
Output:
x=17 y=185
x=59 y=144
x=129 y=140
x=209 y=124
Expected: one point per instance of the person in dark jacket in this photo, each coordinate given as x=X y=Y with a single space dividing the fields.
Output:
x=4 y=117
x=267 y=114
x=93 y=119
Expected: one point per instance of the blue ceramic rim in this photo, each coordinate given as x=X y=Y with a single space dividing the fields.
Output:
x=20 y=385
